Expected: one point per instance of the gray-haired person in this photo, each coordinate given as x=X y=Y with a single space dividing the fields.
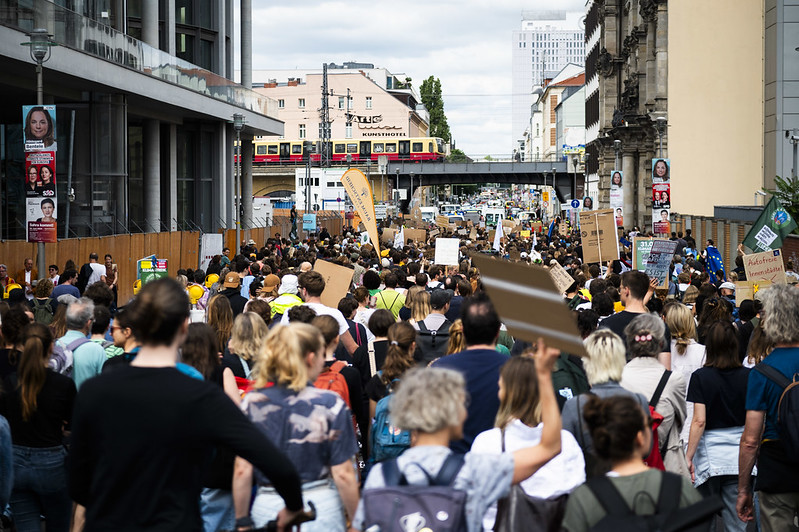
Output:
x=83 y=358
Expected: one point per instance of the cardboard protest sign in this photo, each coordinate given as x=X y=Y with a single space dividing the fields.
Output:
x=524 y=234
x=337 y=281
x=434 y=233
x=765 y=266
x=388 y=236
x=528 y=303
x=563 y=228
x=509 y=223
x=659 y=261
x=537 y=226
x=415 y=235
x=473 y=234
x=747 y=290
x=598 y=232
x=560 y=277
x=447 y=251
x=442 y=221
x=462 y=232
x=641 y=247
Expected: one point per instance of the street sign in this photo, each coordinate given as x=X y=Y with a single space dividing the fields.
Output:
x=575 y=204
x=545 y=196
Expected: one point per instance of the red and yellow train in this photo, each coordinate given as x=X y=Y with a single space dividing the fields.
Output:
x=283 y=151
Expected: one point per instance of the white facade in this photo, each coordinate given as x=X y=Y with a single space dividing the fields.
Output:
x=546 y=42
x=327 y=190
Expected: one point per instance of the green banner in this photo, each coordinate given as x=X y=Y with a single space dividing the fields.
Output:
x=770 y=229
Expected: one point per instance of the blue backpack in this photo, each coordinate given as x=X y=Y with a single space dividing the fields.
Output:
x=387 y=440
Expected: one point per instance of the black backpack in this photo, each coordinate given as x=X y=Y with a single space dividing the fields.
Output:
x=668 y=516
x=431 y=345
x=787 y=408
x=399 y=507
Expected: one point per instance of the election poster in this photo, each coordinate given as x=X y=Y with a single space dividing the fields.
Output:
x=617 y=196
x=39 y=132
x=40 y=174
x=40 y=215
x=661 y=197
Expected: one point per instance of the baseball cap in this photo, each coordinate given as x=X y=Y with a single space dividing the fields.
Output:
x=271 y=281
x=728 y=285
x=232 y=280
x=439 y=298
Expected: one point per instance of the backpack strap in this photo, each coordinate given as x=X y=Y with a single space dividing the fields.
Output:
x=659 y=390
x=444 y=327
x=608 y=496
x=77 y=343
x=670 y=492
x=337 y=366
x=372 y=364
x=449 y=470
x=773 y=374
x=422 y=327
x=391 y=472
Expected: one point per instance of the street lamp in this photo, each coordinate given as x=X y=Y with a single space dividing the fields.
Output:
x=40 y=47
x=238 y=125
x=575 y=161
x=660 y=125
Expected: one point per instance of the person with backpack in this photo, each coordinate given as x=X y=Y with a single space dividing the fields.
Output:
x=37 y=402
x=84 y=356
x=518 y=425
x=434 y=328
x=42 y=305
x=665 y=390
x=770 y=434
x=431 y=404
x=604 y=364
x=100 y=325
x=718 y=393
x=390 y=298
x=312 y=427
x=631 y=491
x=386 y=441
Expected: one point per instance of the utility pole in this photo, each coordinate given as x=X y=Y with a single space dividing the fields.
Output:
x=324 y=115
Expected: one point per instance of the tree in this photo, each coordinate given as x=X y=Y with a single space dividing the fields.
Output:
x=457 y=156
x=787 y=192
x=430 y=91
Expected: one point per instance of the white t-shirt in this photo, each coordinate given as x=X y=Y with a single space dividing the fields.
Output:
x=322 y=310
x=685 y=365
x=98 y=270
x=362 y=316
x=28 y=280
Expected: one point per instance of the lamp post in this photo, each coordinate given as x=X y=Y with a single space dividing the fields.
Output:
x=660 y=125
x=575 y=161
x=396 y=188
x=40 y=49
x=238 y=125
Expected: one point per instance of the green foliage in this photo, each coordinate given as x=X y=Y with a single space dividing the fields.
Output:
x=488 y=158
x=787 y=192
x=457 y=156
x=430 y=92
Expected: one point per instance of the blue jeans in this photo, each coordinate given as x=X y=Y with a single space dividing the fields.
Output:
x=323 y=493
x=40 y=488
x=726 y=486
x=216 y=508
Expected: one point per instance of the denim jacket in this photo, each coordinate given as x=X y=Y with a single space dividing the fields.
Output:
x=6 y=463
x=717 y=454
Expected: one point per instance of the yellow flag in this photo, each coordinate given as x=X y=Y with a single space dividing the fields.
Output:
x=357 y=186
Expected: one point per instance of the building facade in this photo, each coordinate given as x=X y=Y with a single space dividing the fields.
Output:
x=144 y=102
x=546 y=42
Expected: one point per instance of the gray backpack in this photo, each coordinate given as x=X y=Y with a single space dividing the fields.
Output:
x=399 y=507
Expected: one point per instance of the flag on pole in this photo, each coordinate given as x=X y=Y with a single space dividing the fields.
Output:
x=714 y=263
x=770 y=229
x=497 y=235
x=360 y=193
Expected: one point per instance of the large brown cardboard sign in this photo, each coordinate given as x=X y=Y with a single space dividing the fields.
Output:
x=599 y=236
x=388 y=236
x=560 y=277
x=415 y=235
x=337 y=281
x=529 y=304
x=766 y=266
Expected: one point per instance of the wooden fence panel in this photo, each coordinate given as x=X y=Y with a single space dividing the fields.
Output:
x=189 y=249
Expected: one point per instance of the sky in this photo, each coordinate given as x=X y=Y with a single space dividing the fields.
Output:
x=464 y=43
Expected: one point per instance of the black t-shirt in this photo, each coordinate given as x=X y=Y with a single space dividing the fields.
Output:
x=9 y=358
x=723 y=392
x=619 y=321
x=376 y=389
x=360 y=360
x=236 y=364
x=140 y=440
x=358 y=403
x=53 y=411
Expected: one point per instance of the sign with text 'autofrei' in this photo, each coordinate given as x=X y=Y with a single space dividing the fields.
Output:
x=765 y=266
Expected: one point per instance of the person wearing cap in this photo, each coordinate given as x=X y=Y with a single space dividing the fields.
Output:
x=311 y=285
x=305 y=267
x=232 y=291
x=727 y=290
x=269 y=289
x=287 y=297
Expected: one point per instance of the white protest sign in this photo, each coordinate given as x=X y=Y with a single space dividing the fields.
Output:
x=210 y=244
x=659 y=260
x=447 y=251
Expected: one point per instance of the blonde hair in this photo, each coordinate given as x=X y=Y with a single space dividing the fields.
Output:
x=606 y=357
x=521 y=399
x=247 y=338
x=283 y=360
x=456 y=342
x=680 y=321
x=420 y=307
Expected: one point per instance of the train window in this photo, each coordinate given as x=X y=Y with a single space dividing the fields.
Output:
x=391 y=147
x=417 y=147
x=260 y=149
x=377 y=147
x=271 y=149
x=430 y=147
x=331 y=184
x=296 y=149
x=352 y=148
x=338 y=148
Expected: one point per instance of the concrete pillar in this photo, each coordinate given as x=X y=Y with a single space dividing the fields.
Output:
x=172 y=178
x=662 y=57
x=246 y=43
x=149 y=22
x=644 y=193
x=120 y=16
x=170 y=27
x=224 y=23
x=246 y=181
x=152 y=175
x=227 y=175
x=734 y=241
x=627 y=166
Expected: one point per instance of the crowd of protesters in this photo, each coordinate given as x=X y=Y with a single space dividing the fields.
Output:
x=229 y=397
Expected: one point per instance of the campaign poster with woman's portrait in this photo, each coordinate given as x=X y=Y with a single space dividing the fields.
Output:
x=661 y=196
x=39 y=127
x=40 y=174
x=617 y=195
x=40 y=215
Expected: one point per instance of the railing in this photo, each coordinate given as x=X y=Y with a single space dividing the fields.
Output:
x=89 y=36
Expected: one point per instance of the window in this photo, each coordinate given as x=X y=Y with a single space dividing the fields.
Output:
x=341 y=102
x=316 y=182
x=417 y=147
x=260 y=149
x=348 y=132
x=391 y=147
x=281 y=104
x=271 y=149
x=331 y=184
x=338 y=148
x=339 y=184
x=368 y=102
x=296 y=149
x=300 y=181
x=377 y=147
x=349 y=103
x=352 y=148
x=301 y=103
x=302 y=131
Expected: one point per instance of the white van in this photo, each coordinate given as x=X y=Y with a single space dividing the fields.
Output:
x=429 y=214
x=494 y=217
